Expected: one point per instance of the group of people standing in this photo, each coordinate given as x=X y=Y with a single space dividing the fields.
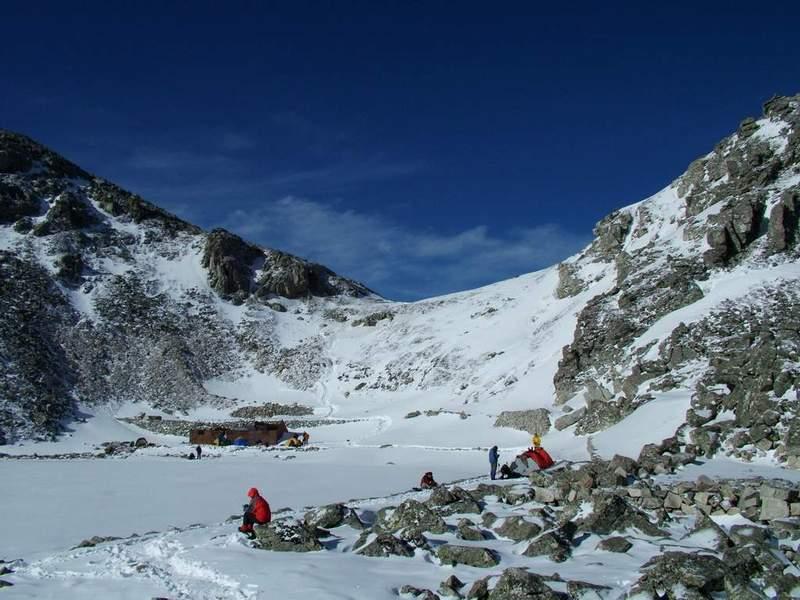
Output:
x=533 y=459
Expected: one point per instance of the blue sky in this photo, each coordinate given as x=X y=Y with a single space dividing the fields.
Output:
x=421 y=148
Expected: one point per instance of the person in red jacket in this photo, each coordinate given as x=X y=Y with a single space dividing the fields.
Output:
x=428 y=481
x=255 y=512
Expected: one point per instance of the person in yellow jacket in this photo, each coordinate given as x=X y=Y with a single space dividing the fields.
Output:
x=537 y=440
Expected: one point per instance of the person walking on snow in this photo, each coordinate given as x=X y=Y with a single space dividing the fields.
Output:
x=199 y=452
x=256 y=512
x=493 y=457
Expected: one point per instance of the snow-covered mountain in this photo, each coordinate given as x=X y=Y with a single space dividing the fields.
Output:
x=681 y=315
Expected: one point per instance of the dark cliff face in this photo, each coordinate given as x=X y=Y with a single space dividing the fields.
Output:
x=233 y=265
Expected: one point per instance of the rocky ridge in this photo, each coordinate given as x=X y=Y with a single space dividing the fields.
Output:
x=86 y=314
x=733 y=211
x=685 y=539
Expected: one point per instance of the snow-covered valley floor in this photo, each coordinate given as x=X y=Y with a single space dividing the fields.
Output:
x=185 y=546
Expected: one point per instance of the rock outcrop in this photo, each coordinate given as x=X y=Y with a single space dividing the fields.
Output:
x=736 y=206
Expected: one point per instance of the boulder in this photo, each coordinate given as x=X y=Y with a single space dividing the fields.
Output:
x=743 y=535
x=581 y=590
x=465 y=530
x=700 y=573
x=488 y=519
x=550 y=544
x=94 y=540
x=410 y=514
x=532 y=421
x=612 y=513
x=414 y=538
x=615 y=544
x=449 y=588
x=520 y=584
x=773 y=508
x=627 y=464
x=287 y=535
x=473 y=556
x=518 y=529
x=417 y=593
x=383 y=544
x=332 y=515
x=479 y=590
x=569 y=419
x=452 y=501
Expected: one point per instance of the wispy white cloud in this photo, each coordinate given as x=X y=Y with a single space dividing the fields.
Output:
x=396 y=260
x=234 y=142
x=157 y=160
x=343 y=173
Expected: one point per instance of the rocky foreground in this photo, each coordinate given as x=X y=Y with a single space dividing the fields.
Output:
x=602 y=529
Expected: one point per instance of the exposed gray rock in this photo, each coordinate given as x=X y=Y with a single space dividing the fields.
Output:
x=615 y=544
x=520 y=584
x=450 y=587
x=466 y=530
x=673 y=571
x=96 y=539
x=532 y=421
x=552 y=544
x=773 y=508
x=417 y=593
x=449 y=501
x=231 y=263
x=410 y=514
x=384 y=544
x=782 y=231
x=373 y=319
x=518 y=529
x=286 y=535
x=612 y=513
x=569 y=284
x=570 y=418
x=610 y=233
x=473 y=556
x=479 y=590
x=581 y=590
x=333 y=515
x=414 y=538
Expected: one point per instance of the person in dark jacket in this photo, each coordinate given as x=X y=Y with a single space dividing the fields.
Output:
x=493 y=457
x=256 y=512
x=428 y=481
x=199 y=452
